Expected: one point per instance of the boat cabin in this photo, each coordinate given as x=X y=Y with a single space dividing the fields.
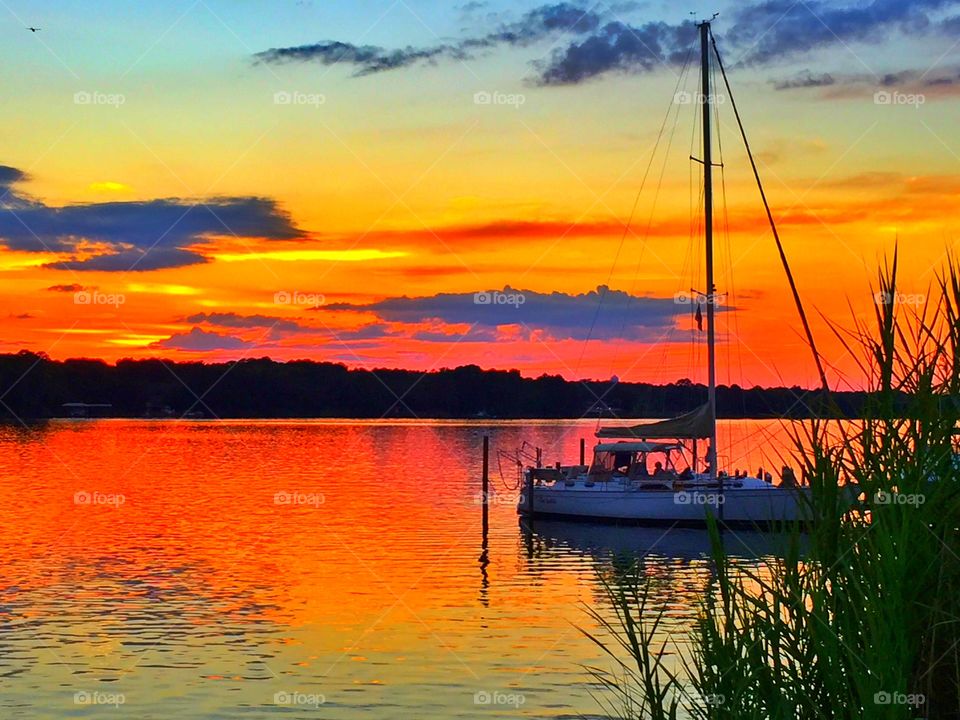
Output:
x=635 y=460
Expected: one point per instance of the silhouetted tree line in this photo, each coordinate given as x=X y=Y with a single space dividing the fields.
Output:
x=32 y=386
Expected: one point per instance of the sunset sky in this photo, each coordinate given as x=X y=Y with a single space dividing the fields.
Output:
x=219 y=179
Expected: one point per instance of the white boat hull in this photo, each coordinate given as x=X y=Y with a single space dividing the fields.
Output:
x=760 y=504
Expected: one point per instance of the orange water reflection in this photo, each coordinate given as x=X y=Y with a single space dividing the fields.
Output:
x=225 y=569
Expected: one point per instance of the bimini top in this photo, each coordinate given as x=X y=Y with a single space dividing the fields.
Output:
x=644 y=447
x=690 y=426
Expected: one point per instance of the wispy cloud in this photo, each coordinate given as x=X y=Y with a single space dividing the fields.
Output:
x=535 y=25
x=546 y=21
x=596 y=40
x=942 y=82
x=73 y=288
x=247 y=322
x=805 y=79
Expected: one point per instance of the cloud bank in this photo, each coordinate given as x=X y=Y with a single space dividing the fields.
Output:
x=198 y=340
x=126 y=236
x=771 y=29
x=600 y=314
x=493 y=316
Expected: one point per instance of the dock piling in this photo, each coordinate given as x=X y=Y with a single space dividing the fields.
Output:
x=485 y=490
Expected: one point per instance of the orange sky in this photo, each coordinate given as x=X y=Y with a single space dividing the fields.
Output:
x=399 y=184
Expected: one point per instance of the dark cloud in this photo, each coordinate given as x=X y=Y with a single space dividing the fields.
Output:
x=134 y=259
x=925 y=80
x=274 y=329
x=618 y=47
x=198 y=340
x=805 y=79
x=145 y=235
x=759 y=33
x=934 y=84
x=915 y=79
x=369 y=59
x=473 y=335
x=951 y=26
x=768 y=31
x=484 y=317
x=600 y=41
x=233 y=320
x=942 y=81
x=74 y=288
x=535 y=25
x=373 y=331
x=602 y=313
x=10 y=175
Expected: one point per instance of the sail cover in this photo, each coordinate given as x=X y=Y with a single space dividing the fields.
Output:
x=689 y=426
x=642 y=447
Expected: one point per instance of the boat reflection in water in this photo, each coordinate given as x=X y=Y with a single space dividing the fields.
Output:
x=675 y=565
x=601 y=540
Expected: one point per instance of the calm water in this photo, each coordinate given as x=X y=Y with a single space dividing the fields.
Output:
x=306 y=569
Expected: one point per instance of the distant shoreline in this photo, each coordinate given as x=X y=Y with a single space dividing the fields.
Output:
x=39 y=388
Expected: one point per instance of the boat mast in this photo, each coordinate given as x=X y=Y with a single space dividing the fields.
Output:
x=706 y=102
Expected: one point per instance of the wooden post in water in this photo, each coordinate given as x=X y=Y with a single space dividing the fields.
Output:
x=583 y=451
x=485 y=481
x=528 y=499
x=484 y=547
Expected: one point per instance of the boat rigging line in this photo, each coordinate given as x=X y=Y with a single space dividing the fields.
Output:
x=633 y=211
x=773 y=224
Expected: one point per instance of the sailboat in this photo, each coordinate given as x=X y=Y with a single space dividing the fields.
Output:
x=649 y=473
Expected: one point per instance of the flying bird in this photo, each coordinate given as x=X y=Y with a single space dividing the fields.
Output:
x=33 y=29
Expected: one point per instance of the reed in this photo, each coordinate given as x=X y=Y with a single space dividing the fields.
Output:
x=860 y=616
